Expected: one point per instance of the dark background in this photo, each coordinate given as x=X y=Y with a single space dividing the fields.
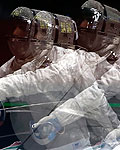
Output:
x=57 y=6
x=63 y=7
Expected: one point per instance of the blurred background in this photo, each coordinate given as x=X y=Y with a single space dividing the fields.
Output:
x=63 y=7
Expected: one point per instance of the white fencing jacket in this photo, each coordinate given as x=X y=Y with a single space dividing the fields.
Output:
x=61 y=83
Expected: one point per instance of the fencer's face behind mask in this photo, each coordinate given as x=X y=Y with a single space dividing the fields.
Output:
x=19 y=32
x=30 y=37
x=19 y=43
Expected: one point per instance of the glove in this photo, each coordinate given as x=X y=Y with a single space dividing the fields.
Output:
x=46 y=129
x=113 y=136
x=112 y=140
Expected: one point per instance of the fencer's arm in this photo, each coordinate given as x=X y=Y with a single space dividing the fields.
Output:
x=75 y=108
x=110 y=81
x=90 y=99
x=53 y=78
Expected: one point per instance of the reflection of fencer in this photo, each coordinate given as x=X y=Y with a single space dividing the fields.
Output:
x=62 y=80
x=27 y=53
x=90 y=101
x=106 y=49
x=17 y=29
x=96 y=28
x=15 y=62
x=59 y=81
x=53 y=82
x=30 y=41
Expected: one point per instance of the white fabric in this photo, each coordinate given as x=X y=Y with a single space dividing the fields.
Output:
x=117 y=148
x=113 y=138
x=77 y=145
x=27 y=65
x=91 y=98
x=73 y=72
x=71 y=67
x=93 y=101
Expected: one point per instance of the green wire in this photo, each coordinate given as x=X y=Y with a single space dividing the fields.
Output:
x=114 y=104
x=14 y=104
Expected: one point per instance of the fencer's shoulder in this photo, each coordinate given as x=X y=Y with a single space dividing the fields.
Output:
x=59 y=53
x=5 y=69
x=61 y=49
x=84 y=53
x=67 y=53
